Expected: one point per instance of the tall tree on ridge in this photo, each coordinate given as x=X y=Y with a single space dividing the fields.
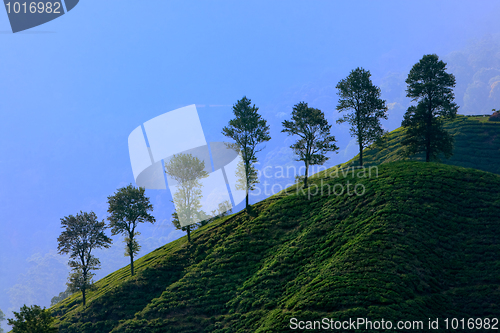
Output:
x=359 y=94
x=129 y=207
x=83 y=233
x=431 y=87
x=248 y=129
x=314 y=132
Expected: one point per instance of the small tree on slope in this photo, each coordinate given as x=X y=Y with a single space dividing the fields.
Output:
x=129 y=207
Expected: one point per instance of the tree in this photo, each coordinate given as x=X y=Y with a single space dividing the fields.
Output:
x=62 y=295
x=187 y=170
x=129 y=207
x=2 y=318
x=357 y=93
x=248 y=129
x=431 y=87
x=314 y=136
x=32 y=319
x=83 y=233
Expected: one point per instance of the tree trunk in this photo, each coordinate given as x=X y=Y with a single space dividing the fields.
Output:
x=360 y=154
x=428 y=133
x=360 y=139
x=189 y=233
x=307 y=173
x=132 y=263
x=83 y=295
x=247 y=171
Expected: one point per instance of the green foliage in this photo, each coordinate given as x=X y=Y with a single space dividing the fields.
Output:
x=82 y=234
x=431 y=87
x=409 y=248
x=314 y=136
x=33 y=320
x=128 y=207
x=358 y=94
x=79 y=281
x=2 y=318
x=62 y=295
x=477 y=142
x=248 y=129
x=425 y=134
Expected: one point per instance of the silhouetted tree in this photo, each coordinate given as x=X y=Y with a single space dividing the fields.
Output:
x=128 y=207
x=314 y=136
x=33 y=320
x=82 y=234
x=248 y=129
x=187 y=170
x=431 y=87
x=358 y=94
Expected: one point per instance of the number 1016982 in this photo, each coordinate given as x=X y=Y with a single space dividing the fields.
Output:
x=33 y=7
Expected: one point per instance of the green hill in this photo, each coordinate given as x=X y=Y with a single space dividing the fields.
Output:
x=477 y=145
x=420 y=242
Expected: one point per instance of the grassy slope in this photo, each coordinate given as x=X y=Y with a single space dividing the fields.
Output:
x=422 y=242
x=477 y=145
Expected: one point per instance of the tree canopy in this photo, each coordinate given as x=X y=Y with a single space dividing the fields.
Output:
x=128 y=207
x=32 y=319
x=431 y=87
x=82 y=234
x=187 y=170
x=248 y=129
x=359 y=95
x=314 y=140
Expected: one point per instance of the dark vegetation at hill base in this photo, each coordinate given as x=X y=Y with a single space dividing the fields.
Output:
x=422 y=242
x=477 y=145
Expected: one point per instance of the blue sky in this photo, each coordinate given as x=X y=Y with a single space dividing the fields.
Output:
x=72 y=90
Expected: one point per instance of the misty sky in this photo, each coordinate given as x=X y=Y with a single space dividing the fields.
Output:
x=72 y=90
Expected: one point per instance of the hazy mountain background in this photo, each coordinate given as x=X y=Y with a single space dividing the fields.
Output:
x=72 y=91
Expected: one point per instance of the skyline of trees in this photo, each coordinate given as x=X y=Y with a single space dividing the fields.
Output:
x=415 y=110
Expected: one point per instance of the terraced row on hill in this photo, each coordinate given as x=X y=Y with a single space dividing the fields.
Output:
x=421 y=241
x=477 y=145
